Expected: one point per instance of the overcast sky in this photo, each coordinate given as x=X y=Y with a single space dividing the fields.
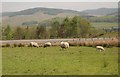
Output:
x=17 y=6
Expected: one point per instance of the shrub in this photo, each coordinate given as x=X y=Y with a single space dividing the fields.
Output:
x=15 y=45
x=73 y=44
x=81 y=44
x=21 y=45
x=118 y=44
x=3 y=45
x=7 y=45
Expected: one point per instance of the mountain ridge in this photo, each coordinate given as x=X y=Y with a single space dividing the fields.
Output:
x=54 y=11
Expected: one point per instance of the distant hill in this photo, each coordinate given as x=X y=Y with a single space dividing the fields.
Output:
x=113 y=14
x=34 y=16
x=49 y=11
x=101 y=11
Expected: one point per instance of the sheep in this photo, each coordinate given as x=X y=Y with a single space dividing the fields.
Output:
x=100 y=48
x=47 y=44
x=34 y=44
x=64 y=45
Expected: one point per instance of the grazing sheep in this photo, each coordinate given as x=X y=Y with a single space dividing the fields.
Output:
x=47 y=44
x=100 y=48
x=64 y=45
x=34 y=44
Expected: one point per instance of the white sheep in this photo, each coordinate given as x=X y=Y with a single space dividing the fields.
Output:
x=100 y=48
x=34 y=44
x=64 y=45
x=47 y=44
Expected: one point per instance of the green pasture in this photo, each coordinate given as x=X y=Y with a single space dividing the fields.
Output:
x=75 y=60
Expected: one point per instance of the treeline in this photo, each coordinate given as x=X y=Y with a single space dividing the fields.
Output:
x=69 y=28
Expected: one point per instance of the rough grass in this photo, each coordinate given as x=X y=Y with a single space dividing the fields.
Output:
x=54 y=61
x=0 y=61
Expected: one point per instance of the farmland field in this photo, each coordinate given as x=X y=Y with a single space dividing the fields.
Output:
x=75 y=60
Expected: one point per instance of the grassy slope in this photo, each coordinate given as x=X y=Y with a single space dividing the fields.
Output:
x=18 y=20
x=101 y=25
x=53 y=61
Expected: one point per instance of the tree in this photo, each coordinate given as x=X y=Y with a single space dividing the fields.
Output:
x=41 y=32
x=27 y=33
x=61 y=31
x=85 y=27
x=37 y=32
x=8 y=33
x=74 y=26
x=67 y=27
x=19 y=33
x=55 y=28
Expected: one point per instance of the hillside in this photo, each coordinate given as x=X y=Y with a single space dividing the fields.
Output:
x=34 y=16
x=101 y=11
x=48 y=11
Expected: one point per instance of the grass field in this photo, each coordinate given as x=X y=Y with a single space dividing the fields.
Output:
x=0 y=62
x=55 y=61
x=101 y=25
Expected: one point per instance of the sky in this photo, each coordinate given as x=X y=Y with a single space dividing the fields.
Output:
x=59 y=0
x=79 y=6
